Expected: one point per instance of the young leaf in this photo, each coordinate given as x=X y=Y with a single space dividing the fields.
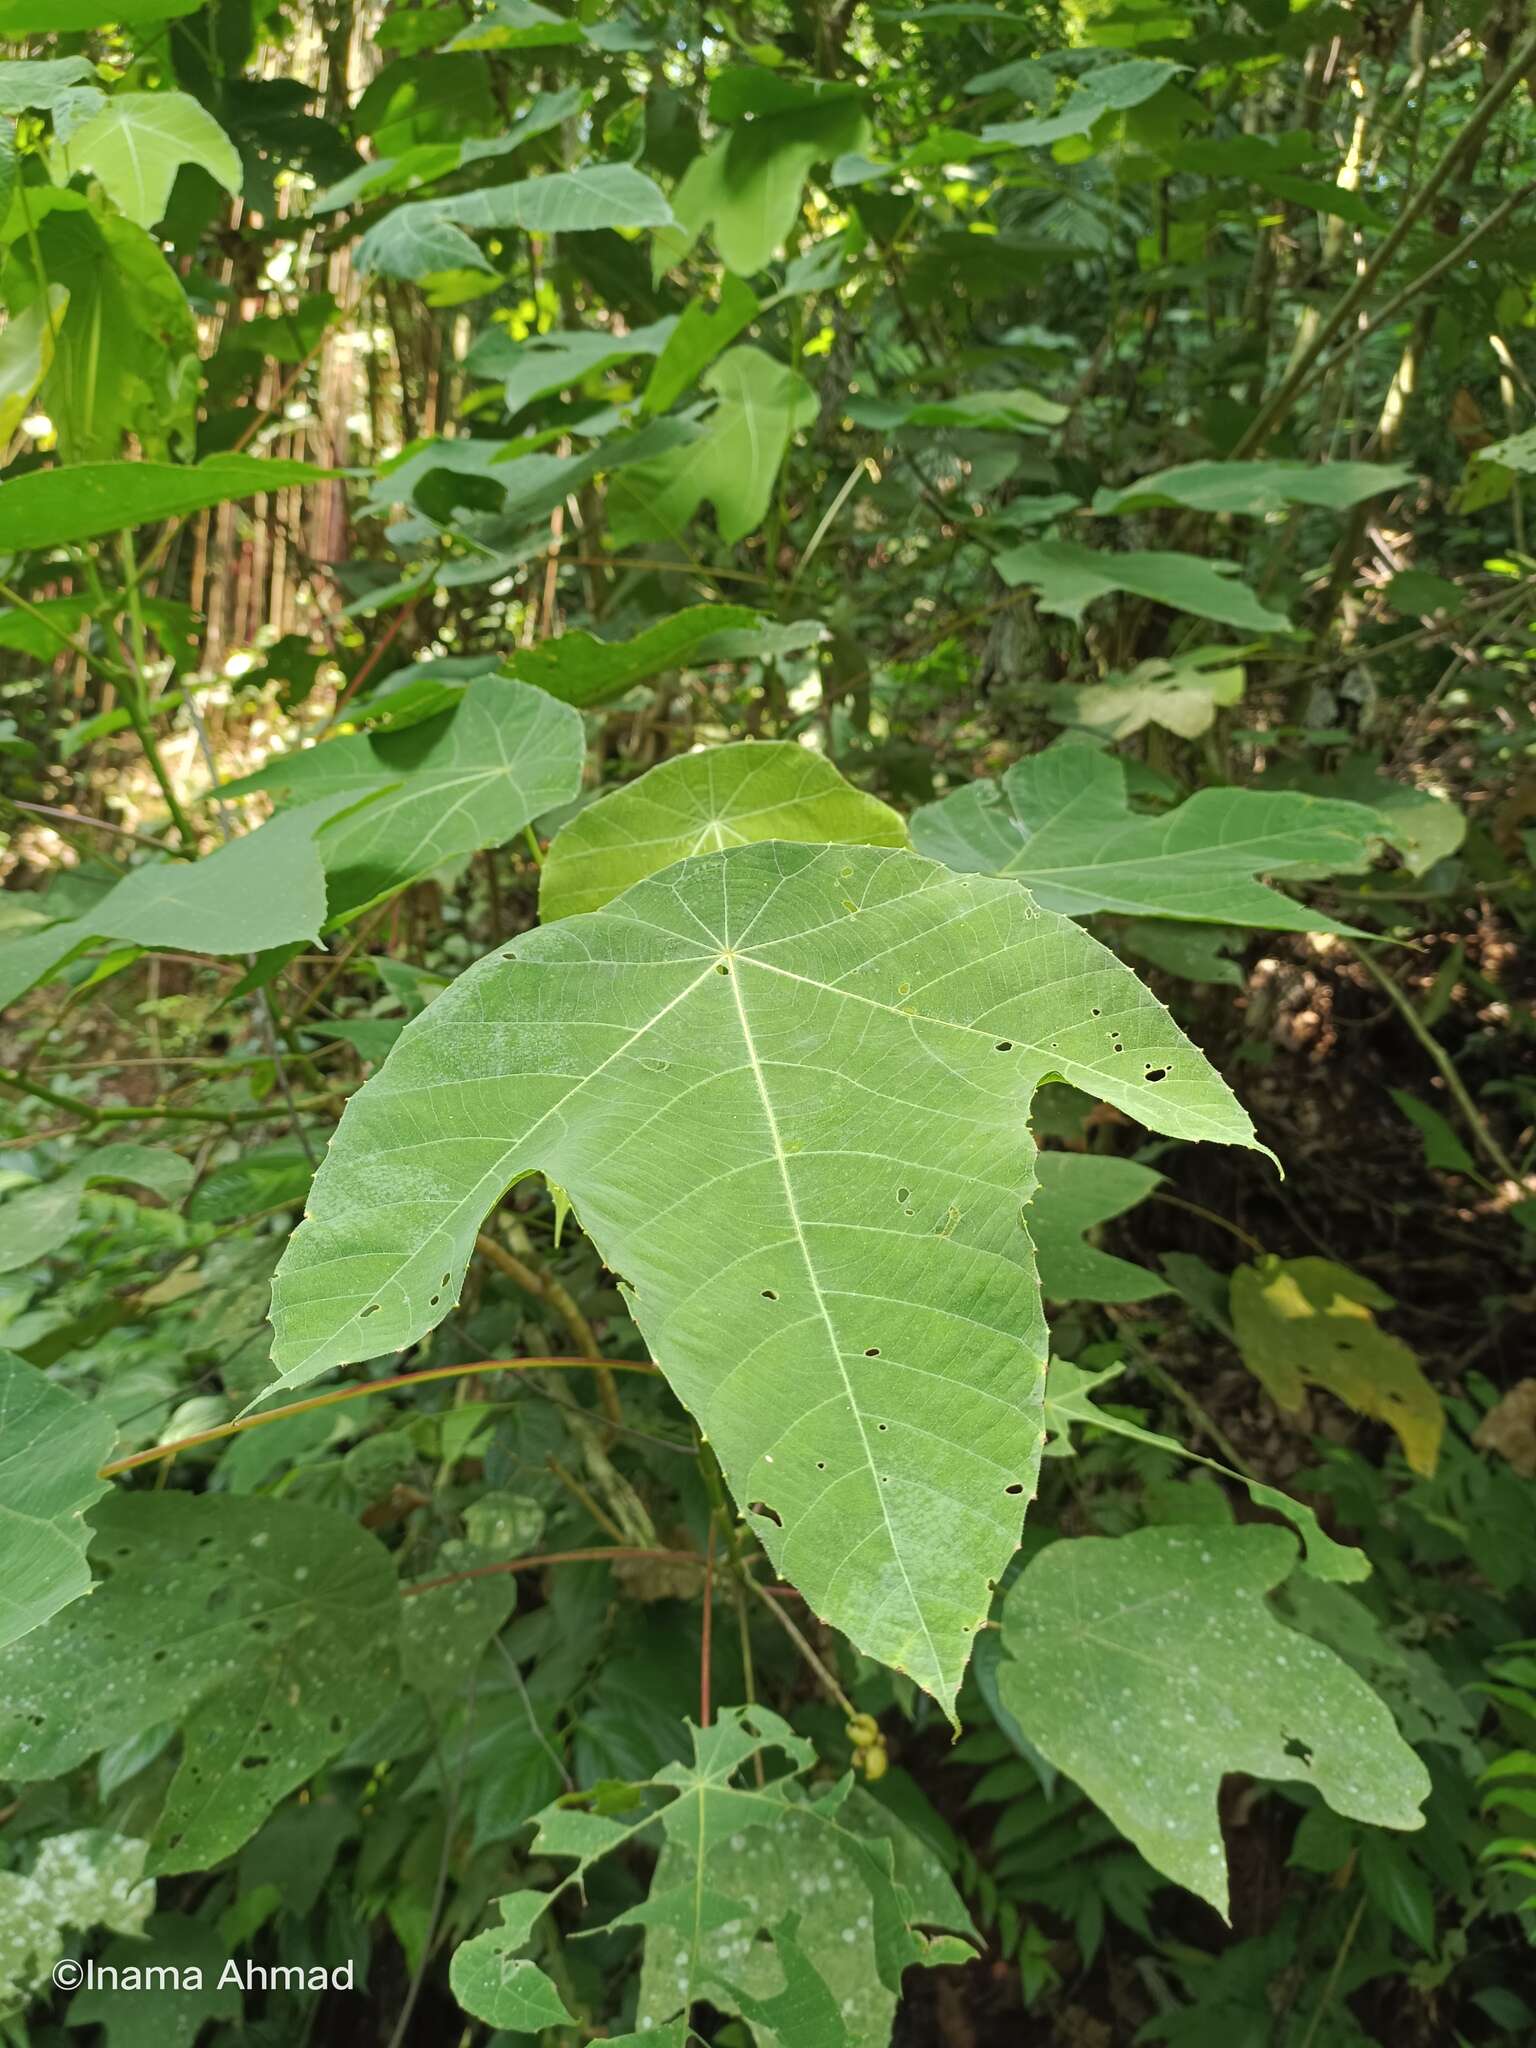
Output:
x=1147 y=1667
x=470 y=777
x=1077 y=1191
x=701 y=803
x=1257 y=488
x=140 y=140
x=762 y=402
x=1061 y=823
x=578 y=668
x=1069 y=576
x=1302 y=1322
x=786 y=1089
x=265 y=1628
x=51 y=1445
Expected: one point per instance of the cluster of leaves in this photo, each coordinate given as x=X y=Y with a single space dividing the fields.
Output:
x=712 y=1060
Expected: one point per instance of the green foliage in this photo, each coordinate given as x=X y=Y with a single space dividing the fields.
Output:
x=517 y=519
x=217 y=1614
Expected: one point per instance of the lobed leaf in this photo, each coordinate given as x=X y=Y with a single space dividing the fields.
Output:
x=1061 y=823
x=1147 y=1667
x=818 y=1063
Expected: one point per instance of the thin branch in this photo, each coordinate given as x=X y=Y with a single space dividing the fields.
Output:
x=357 y=1393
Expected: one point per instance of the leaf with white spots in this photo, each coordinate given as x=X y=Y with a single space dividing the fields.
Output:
x=740 y=1860
x=787 y=1090
x=265 y=1628
x=1147 y=1667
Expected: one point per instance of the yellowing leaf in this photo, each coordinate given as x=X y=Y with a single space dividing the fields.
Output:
x=26 y=355
x=1309 y=1322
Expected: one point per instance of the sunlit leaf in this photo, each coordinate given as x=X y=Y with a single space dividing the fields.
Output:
x=701 y=803
x=140 y=140
x=1310 y=1322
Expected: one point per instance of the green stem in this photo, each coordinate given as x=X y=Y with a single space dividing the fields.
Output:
x=1476 y=1122
x=136 y=695
x=90 y=1114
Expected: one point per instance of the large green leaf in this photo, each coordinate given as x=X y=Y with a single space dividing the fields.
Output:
x=140 y=140
x=429 y=235
x=54 y=506
x=473 y=776
x=266 y=1629
x=1257 y=488
x=1147 y=1667
x=51 y=1445
x=1069 y=576
x=787 y=1091
x=1061 y=823
x=701 y=803
x=734 y=464
x=578 y=668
